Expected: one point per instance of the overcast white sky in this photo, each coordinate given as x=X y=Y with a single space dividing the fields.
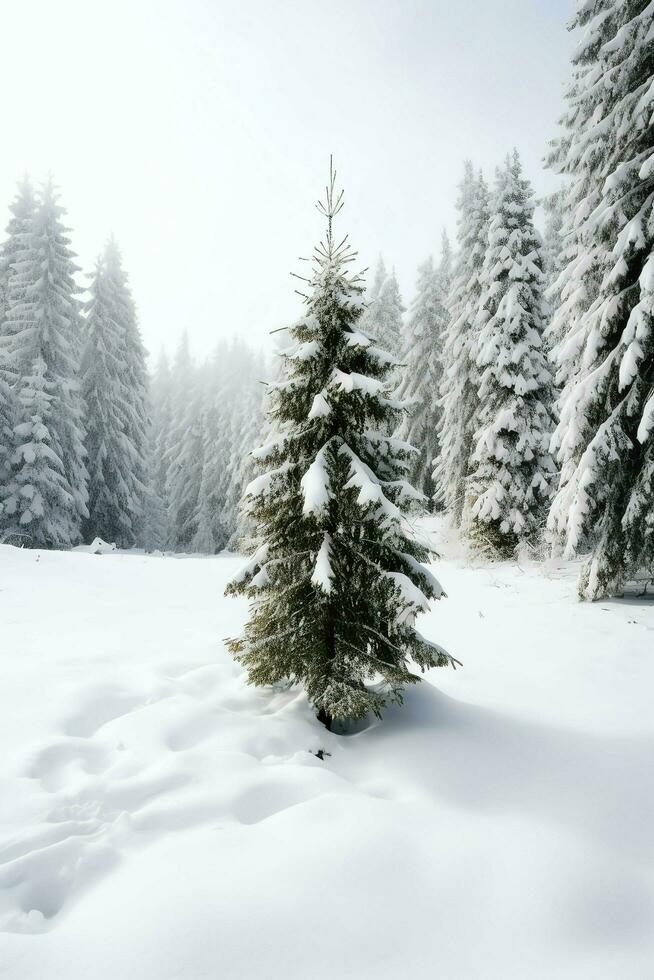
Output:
x=199 y=132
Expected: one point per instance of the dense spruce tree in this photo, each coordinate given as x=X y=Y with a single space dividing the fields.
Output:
x=46 y=492
x=180 y=494
x=114 y=388
x=512 y=471
x=603 y=327
x=372 y=294
x=156 y=511
x=387 y=315
x=421 y=376
x=246 y=425
x=20 y=224
x=553 y=239
x=384 y=309
x=460 y=380
x=335 y=581
x=445 y=266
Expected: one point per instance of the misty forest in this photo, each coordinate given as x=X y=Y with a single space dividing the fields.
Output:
x=331 y=654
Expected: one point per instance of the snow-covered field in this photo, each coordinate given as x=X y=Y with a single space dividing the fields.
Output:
x=161 y=820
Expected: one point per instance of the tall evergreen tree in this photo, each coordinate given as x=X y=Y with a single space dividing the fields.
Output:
x=156 y=517
x=46 y=492
x=336 y=581
x=384 y=309
x=421 y=376
x=185 y=455
x=387 y=316
x=553 y=240
x=20 y=225
x=460 y=381
x=603 y=326
x=114 y=389
x=445 y=267
x=512 y=470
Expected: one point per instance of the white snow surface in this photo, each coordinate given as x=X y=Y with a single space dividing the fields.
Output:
x=160 y=819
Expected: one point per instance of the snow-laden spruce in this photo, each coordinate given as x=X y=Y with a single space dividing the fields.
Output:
x=460 y=382
x=46 y=492
x=384 y=311
x=511 y=470
x=604 y=325
x=156 y=513
x=336 y=580
x=423 y=367
x=114 y=388
x=207 y=418
x=20 y=224
x=22 y=210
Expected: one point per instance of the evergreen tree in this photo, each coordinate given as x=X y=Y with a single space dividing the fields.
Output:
x=20 y=225
x=156 y=518
x=335 y=582
x=114 y=390
x=387 y=316
x=46 y=492
x=512 y=470
x=421 y=375
x=604 y=341
x=384 y=309
x=445 y=267
x=372 y=295
x=185 y=454
x=460 y=382
x=553 y=241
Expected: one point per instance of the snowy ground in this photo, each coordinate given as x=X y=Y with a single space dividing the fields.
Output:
x=161 y=820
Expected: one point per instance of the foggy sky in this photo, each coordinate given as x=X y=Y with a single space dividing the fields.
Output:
x=199 y=133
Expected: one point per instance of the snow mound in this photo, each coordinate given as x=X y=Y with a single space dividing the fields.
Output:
x=97 y=547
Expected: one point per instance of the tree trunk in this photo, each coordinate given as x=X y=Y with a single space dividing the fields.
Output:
x=325 y=719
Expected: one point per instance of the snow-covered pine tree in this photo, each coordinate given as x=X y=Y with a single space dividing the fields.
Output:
x=384 y=309
x=460 y=382
x=387 y=315
x=243 y=470
x=553 y=239
x=115 y=394
x=512 y=471
x=156 y=515
x=445 y=267
x=46 y=492
x=372 y=294
x=185 y=475
x=247 y=426
x=204 y=540
x=20 y=224
x=181 y=457
x=604 y=325
x=335 y=582
x=421 y=374
x=7 y=422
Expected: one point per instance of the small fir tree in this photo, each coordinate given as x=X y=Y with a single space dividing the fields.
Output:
x=335 y=582
x=512 y=470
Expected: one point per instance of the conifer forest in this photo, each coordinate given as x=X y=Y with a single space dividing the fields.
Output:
x=327 y=490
